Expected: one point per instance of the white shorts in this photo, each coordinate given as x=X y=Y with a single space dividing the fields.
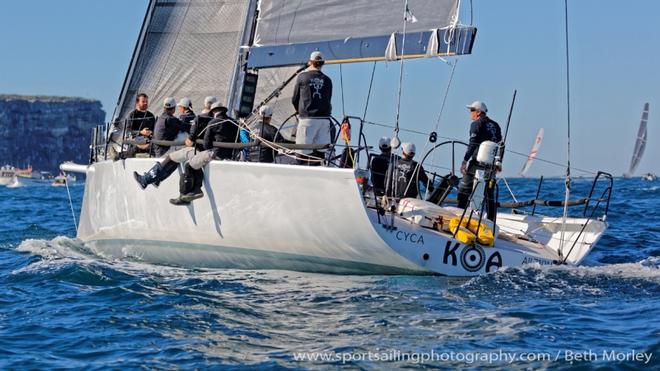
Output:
x=313 y=131
x=183 y=155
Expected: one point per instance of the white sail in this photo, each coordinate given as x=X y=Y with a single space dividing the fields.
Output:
x=533 y=153
x=640 y=143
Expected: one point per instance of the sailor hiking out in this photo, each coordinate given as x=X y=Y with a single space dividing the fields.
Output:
x=167 y=127
x=161 y=171
x=222 y=129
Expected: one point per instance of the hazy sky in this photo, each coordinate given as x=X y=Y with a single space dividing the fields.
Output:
x=83 y=47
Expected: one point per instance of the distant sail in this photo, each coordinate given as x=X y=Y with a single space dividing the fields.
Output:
x=533 y=152
x=640 y=144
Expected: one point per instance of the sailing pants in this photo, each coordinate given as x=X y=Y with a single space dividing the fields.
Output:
x=313 y=130
x=182 y=155
x=200 y=160
x=465 y=190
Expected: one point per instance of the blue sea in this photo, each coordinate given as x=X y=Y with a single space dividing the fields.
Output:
x=63 y=307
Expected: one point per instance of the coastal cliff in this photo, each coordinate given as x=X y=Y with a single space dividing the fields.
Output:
x=45 y=131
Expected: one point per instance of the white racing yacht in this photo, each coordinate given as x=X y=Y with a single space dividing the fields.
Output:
x=306 y=218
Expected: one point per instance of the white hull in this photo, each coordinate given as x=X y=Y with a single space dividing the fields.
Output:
x=267 y=216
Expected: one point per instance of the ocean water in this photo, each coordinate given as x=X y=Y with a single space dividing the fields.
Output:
x=63 y=307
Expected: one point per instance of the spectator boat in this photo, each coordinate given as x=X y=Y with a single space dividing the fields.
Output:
x=305 y=218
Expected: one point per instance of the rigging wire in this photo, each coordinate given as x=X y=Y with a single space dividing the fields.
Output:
x=371 y=82
x=341 y=83
x=73 y=214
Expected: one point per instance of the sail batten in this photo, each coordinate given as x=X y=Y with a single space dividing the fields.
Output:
x=640 y=143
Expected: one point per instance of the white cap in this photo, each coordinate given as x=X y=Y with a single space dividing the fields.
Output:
x=408 y=148
x=185 y=102
x=210 y=99
x=316 y=56
x=479 y=106
x=384 y=143
x=265 y=111
x=169 y=102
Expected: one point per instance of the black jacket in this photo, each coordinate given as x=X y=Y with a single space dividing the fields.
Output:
x=312 y=95
x=187 y=118
x=197 y=129
x=167 y=128
x=379 y=164
x=138 y=120
x=221 y=129
x=405 y=172
x=263 y=153
x=481 y=130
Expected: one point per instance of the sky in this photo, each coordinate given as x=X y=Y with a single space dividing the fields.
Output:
x=83 y=48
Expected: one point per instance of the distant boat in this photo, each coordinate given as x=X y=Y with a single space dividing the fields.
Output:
x=640 y=144
x=61 y=180
x=650 y=177
x=7 y=174
x=45 y=175
x=15 y=183
x=24 y=173
x=532 y=154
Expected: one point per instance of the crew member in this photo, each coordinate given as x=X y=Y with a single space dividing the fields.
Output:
x=208 y=102
x=140 y=123
x=167 y=127
x=404 y=176
x=264 y=129
x=161 y=171
x=379 y=164
x=312 y=96
x=221 y=128
x=482 y=129
x=186 y=114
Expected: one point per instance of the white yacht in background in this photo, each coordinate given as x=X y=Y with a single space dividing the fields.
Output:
x=278 y=216
x=7 y=174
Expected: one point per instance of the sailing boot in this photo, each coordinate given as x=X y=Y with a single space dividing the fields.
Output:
x=168 y=167
x=198 y=181
x=149 y=177
x=186 y=186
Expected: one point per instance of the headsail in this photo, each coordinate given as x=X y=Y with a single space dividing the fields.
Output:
x=186 y=48
x=533 y=153
x=640 y=144
x=355 y=30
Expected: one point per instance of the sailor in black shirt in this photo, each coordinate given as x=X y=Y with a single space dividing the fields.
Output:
x=312 y=97
x=379 y=164
x=404 y=176
x=140 y=127
x=482 y=129
x=263 y=129
x=167 y=127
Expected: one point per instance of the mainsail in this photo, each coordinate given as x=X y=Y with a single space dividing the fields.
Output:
x=533 y=153
x=187 y=48
x=355 y=30
x=640 y=144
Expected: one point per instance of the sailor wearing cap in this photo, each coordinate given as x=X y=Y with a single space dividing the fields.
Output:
x=482 y=129
x=167 y=127
x=312 y=96
x=378 y=165
x=404 y=176
x=186 y=114
x=264 y=129
x=208 y=102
